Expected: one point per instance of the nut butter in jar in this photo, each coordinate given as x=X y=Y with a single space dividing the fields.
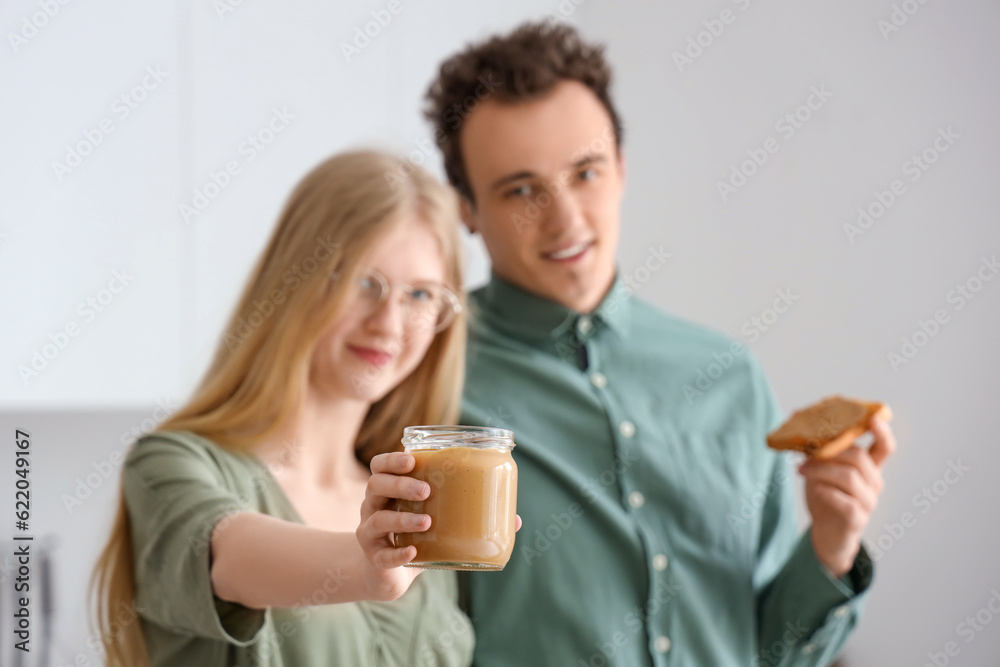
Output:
x=473 y=498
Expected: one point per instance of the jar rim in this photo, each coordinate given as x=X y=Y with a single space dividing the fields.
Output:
x=439 y=435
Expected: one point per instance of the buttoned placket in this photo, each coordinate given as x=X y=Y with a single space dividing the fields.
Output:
x=624 y=438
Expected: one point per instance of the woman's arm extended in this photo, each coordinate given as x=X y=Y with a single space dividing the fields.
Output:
x=261 y=561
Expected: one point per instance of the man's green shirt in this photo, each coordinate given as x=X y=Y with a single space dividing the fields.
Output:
x=659 y=529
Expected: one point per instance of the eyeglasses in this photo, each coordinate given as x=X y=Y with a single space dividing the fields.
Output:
x=425 y=305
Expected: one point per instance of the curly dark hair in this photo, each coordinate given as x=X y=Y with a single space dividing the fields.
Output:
x=521 y=66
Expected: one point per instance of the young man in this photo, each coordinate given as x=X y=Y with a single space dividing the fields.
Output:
x=658 y=530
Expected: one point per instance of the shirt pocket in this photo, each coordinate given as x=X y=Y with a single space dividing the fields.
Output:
x=723 y=489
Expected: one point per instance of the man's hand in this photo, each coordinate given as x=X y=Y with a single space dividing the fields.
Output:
x=841 y=494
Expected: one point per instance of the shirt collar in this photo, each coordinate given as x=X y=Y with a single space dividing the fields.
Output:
x=512 y=308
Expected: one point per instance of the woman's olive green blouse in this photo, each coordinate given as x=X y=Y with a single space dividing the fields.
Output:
x=177 y=487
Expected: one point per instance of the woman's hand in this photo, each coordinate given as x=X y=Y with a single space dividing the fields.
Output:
x=384 y=575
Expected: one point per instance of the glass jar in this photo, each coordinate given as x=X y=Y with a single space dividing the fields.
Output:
x=473 y=498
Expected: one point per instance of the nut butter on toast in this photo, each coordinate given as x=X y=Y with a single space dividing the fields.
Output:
x=827 y=428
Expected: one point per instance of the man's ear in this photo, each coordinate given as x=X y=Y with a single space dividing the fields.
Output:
x=467 y=210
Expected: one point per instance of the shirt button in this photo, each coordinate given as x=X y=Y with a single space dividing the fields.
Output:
x=627 y=429
x=840 y=611
x=660 y=562
x=662 y=644
x=808 y=648
x=636 y=499
x=598 y=380
x=584 y=325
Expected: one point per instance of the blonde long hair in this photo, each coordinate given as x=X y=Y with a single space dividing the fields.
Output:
x=260 y=372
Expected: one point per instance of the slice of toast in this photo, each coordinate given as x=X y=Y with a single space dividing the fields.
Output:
x=827 y=428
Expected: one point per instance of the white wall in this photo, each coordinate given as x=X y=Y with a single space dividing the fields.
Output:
x=223 y=76
x=61 y=239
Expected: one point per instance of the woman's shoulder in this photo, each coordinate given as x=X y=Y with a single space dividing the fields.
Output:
x=166 y=465
x=185 y=450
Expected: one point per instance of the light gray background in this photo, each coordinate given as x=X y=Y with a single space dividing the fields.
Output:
x=60 y=240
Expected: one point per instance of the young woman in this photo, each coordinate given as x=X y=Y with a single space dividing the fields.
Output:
x=238 y=525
